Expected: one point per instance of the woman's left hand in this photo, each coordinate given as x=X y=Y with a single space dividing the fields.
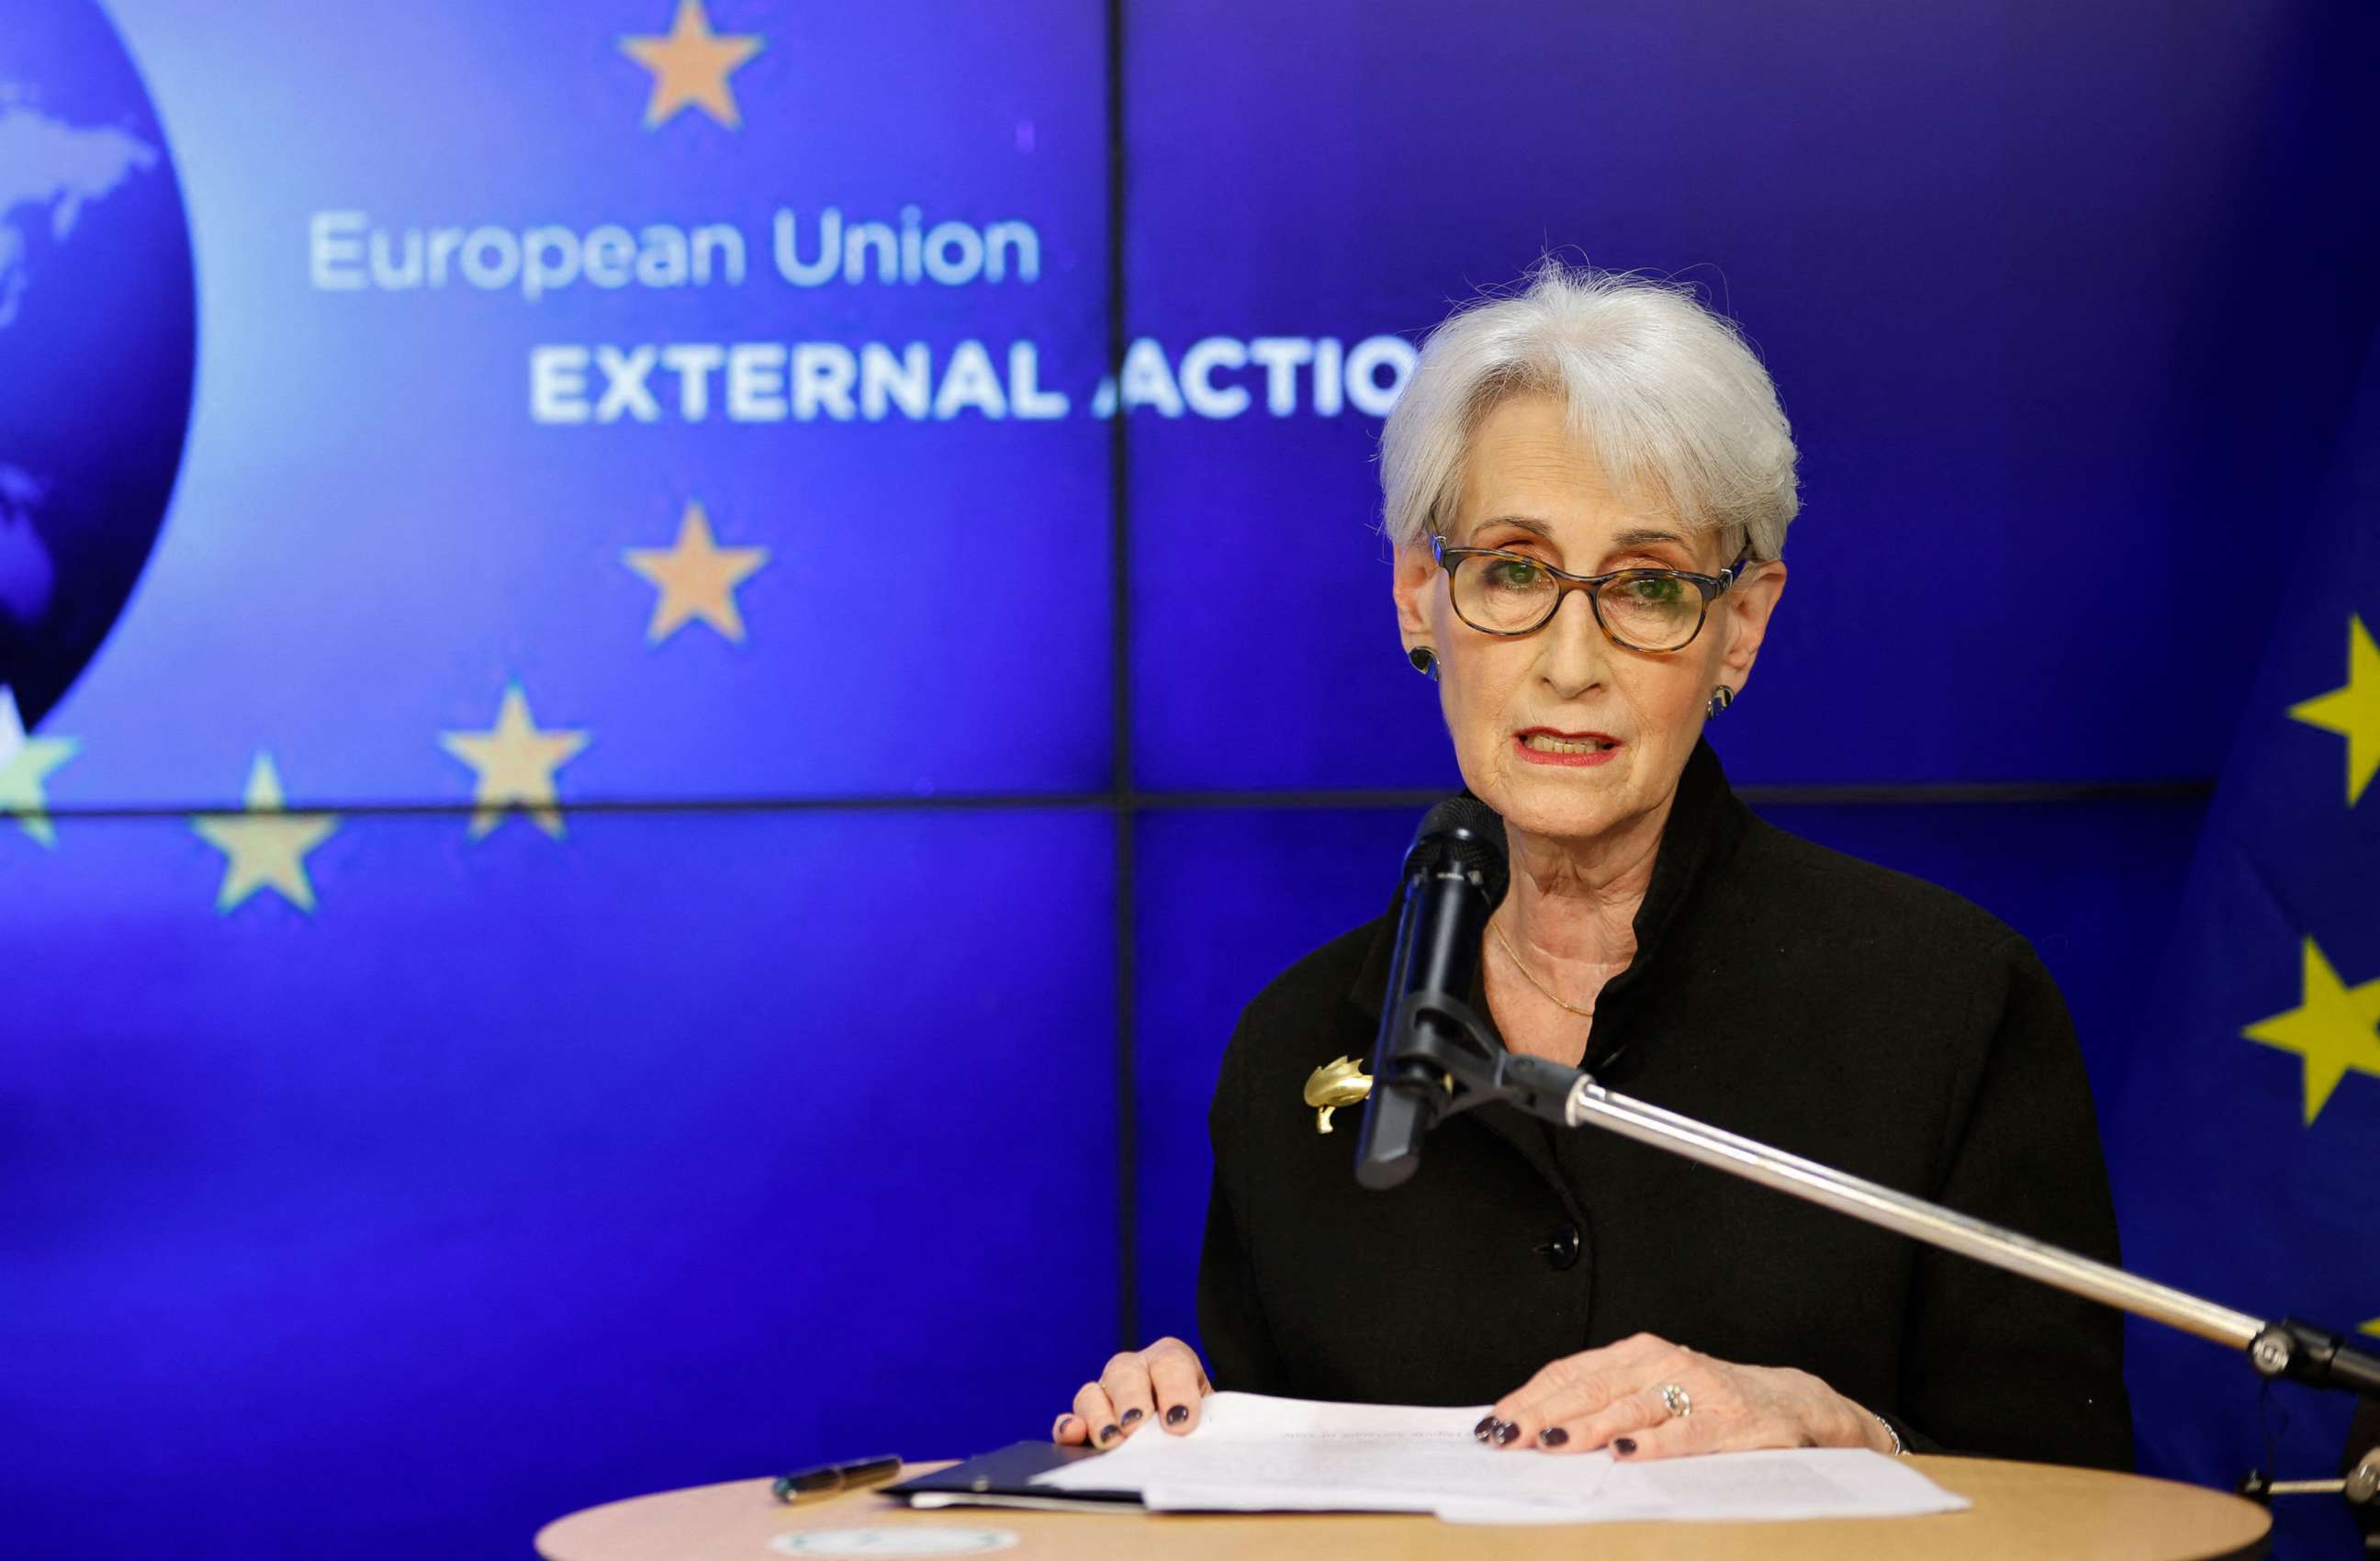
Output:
x=1613 y=1396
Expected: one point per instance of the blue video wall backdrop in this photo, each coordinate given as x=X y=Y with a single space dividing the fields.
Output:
x=647 y=649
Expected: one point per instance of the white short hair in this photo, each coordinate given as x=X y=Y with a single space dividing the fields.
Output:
x=1667 y=393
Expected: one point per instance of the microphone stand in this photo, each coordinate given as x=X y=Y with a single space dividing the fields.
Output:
x=1453 y=1066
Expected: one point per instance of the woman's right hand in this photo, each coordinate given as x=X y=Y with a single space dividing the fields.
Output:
x=1159 y=1385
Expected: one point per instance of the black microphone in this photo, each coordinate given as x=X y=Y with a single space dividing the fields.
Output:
x=1455 y=877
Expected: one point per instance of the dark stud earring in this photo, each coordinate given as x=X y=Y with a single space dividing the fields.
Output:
x=1721 y=697
x=1425 y=662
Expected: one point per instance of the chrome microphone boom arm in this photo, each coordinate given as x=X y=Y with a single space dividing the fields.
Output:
x=1475 y=1070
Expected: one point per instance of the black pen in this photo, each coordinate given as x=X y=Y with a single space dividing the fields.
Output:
x=827 y=1478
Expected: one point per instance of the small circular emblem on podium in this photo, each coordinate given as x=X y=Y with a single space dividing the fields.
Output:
x=894 y=1541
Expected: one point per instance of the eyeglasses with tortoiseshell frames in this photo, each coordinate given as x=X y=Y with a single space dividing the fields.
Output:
x=1511 y=594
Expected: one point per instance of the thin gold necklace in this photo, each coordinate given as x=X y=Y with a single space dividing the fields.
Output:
x=1573 y=1008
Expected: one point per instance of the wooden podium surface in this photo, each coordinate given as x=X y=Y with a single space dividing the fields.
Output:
x=2022 y=1511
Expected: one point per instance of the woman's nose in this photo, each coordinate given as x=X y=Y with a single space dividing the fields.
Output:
x=1573 y=658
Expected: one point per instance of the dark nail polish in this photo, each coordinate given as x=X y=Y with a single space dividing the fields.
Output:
x=1507 y=1434
x=1131 y=1415
x=1109 y=1433
x=1624 y=1446
x=1552 y=1436
x=1177 y=1414
x=1485 y=1429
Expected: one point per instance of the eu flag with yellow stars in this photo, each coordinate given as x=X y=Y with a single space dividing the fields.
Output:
x=2246 y=1148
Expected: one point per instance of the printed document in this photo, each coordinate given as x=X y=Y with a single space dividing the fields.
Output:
x=1256 y=1454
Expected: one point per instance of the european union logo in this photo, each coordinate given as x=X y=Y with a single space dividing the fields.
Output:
x=2248 y=1149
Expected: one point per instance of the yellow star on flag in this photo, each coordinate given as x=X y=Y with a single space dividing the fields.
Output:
x=25 y=763
x=2334 y=1028
x=266 y=846
x=698 y=578
x=515 y=762
x=690 y=66
x=2372 y=1327
x=2353 y=711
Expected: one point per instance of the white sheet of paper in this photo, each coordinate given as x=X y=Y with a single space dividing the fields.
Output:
x=1256 y=1454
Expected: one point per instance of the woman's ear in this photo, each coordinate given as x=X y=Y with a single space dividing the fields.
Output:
x=1411 y=582
x=1747 y=606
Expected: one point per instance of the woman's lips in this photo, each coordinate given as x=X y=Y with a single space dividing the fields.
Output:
x=1543 y=745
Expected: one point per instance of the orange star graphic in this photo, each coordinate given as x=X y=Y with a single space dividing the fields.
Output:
x=516 y=763
x=697 y=577
x=265 y=847
x=690 y=67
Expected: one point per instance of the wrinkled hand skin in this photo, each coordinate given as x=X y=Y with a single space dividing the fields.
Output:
x=1611 y=1398
x=1159 y=1385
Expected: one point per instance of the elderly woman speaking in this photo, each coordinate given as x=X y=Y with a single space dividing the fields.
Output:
x=1588 y=484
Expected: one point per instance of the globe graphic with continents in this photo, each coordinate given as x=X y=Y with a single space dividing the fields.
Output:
x=98 y=333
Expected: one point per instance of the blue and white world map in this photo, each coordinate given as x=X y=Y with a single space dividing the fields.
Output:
x=97 y=344
x=49 y=173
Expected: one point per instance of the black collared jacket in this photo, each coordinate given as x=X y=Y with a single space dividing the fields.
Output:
x=1825 y=1005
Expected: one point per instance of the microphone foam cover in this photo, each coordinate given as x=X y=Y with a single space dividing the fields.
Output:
x=1469 y=833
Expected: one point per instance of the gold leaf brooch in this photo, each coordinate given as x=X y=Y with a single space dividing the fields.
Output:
x=1339 y=1082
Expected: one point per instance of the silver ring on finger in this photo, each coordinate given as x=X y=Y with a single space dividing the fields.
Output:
x=1676 y=1401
